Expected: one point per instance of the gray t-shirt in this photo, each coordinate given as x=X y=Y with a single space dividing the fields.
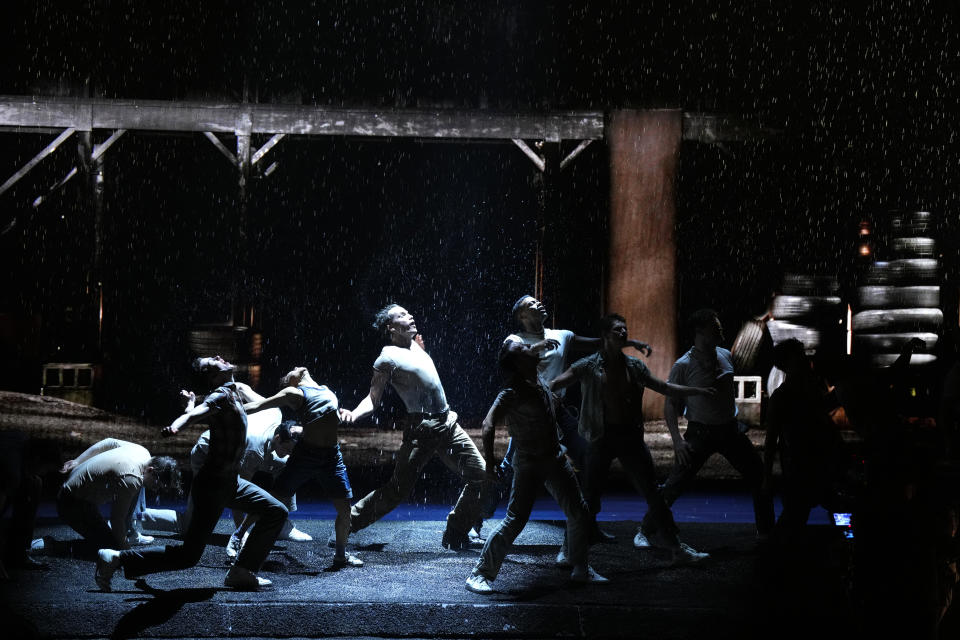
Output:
x=414 y=377
x=552 y=360
x=113 y=474
x=529 y=417
x=690 y=370
x=260 y=428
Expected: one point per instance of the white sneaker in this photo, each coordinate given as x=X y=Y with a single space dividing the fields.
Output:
x=479 y=584
x=640 y=541
x=685 y=554
x=137 y=539
x=244 y=580
x=108 y=561
x=37 y=544
x=347 y=560
x=563 y=560
x=296 y=535
x=587 y=574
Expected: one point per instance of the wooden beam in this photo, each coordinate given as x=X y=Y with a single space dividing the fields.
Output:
x=714 y=128
x=100 y=149
x=530 y=153
x=222 y=148
x=88 y=113
x=59 y=185
x=50 y=148
x=573 y=154
x=270 y=144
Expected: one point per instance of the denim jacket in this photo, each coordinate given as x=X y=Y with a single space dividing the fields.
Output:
x=589 y=371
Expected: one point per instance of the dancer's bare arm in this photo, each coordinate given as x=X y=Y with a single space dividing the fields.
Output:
x=367 y=406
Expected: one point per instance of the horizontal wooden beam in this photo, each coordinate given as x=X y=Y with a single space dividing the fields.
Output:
x=85 y=114
x=711 y=128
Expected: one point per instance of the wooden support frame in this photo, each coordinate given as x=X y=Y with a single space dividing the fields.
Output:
x=50 y=148
x=97 y=153
x=540 y=161
x=159 y=115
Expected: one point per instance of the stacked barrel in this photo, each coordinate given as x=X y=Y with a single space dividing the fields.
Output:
x=899 y=299
x=810 y=310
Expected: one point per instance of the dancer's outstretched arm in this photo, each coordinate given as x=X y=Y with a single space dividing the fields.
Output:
x=367 y=406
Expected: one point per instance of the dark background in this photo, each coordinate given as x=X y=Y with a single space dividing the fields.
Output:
x=864 y=100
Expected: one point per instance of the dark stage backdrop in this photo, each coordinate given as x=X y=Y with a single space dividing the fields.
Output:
x=339 y=229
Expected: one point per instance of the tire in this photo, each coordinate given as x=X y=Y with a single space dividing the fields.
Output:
x=881 y=297
x=780 y=331
x=805 y=307
x=748 y=347
x=909 y=271
x=914 y=247
x=799 y=284
x=893 y=342
x=911 y=223
x=887 y=359
x=897 y=320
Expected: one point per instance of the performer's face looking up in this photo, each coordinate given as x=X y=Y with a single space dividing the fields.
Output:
x=216 y=368
x=531 y=310
x=402 y=323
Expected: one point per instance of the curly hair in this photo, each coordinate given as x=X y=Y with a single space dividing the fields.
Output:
x=167 y=473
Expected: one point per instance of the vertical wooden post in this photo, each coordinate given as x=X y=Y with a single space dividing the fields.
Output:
x=91 y=197
x=241 y=284
x=641 y=275
x=547 y=218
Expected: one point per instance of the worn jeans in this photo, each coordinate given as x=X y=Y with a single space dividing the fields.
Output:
x=530 y=473
x=729 y=441
x=211 y=492
x=627 y=444
x=421 y=441
x=84 y=517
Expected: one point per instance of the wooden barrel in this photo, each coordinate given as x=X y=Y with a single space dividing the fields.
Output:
x=751 y=347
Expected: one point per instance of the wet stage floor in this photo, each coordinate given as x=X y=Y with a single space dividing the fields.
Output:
x=412 y=587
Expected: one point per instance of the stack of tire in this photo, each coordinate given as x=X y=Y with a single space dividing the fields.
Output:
x=809 y=310
x=241 y=346
x=899 y=299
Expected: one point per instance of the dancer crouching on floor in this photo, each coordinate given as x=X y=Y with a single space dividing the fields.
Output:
x=217 y=485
